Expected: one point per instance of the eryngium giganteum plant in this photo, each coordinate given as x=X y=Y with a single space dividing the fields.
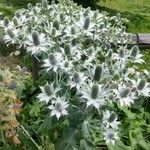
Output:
x=88 y=75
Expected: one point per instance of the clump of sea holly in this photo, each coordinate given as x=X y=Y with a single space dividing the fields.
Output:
x=83 y=70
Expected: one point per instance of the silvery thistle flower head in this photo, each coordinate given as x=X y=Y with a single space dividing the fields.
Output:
x=110 y=136
x=122 y=55
x=94 y=95
x=67 y=66
x=77 y=79
x=90 y=54
x=135 y=55
x=48 y=92
x=86 y=25
x=124 y=95
x=6 y=23
x=110 y=120
x=36 y=43
x=142 y=87
x=58 y=107
x=11 y=36
x=54 y=61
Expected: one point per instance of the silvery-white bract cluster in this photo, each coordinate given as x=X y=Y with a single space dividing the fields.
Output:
x=110 y=127
x=87 y=47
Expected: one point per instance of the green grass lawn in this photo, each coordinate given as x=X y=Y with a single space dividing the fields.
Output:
x=137 y=11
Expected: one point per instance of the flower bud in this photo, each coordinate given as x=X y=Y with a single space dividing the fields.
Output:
x=121 y=53
x=35 y=37
x=86 y=23
x=45 y=4
x=98 y=73
x=134 y=51
x=6 y=22
x=17 y=14
x=54 y=31
x=73 y=31
x=52 y=59
x=47 y=90
x=112 y=117
x=94 y=91
x=141 y=84
x=124 y=93
x=10 y=33
x=56 y=24
x=76 y=77
x=15 y=21
x=67 y=50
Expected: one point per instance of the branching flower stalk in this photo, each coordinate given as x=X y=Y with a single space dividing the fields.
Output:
x=75 y=46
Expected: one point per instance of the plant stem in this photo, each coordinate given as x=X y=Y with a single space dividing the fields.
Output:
x=27 y=133
x=3 y=137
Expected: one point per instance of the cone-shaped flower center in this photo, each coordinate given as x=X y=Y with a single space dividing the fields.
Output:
x=111 y=135
x=74 y=42
x=76 y=77
x=54 y=31
x=35 y=37
x=47 y=90
x=86 y=23
x=67 y=49
x=17 y=14
x=15 y=21
x=52 y=59
x=124 y=93
x=10 y=33
x=56 y=24
x=112 y=117
x=73 y=31
x=6 y=22
x=98 y=73
x=58 y=106
x=121 y=53
x=62 y=17
x=66 y=65
x=94 y=91
x=134 y=51
x=141 y=84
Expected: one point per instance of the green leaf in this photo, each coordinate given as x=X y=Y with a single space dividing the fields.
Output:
x=19 y=90
x=86 y=146
x=142 y=145
x=35 y=109
x=85 y=130
x=46 y=125
x=6 y=147
x=68 y=140
x=118 y=146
